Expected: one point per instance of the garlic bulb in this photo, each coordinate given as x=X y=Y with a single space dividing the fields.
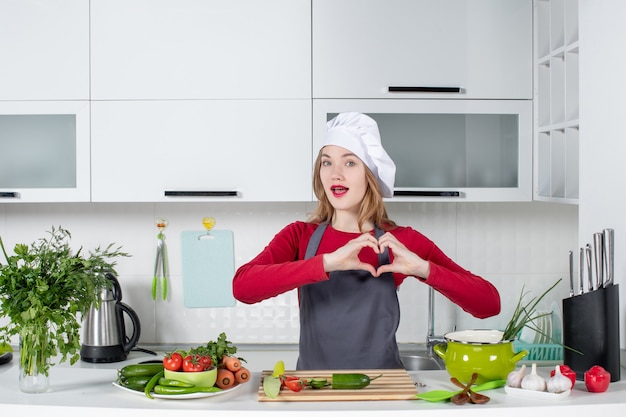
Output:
x=514 y=379
x=559 y=382
x=534 y=381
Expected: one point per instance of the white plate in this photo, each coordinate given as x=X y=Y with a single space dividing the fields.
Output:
x=181 y=396
x=540 y=395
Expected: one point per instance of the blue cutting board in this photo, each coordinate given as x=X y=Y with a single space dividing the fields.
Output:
x=208 y=268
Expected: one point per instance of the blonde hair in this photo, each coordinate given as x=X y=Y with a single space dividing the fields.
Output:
x=372 y=206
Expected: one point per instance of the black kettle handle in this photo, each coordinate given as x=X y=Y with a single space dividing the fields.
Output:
x=134 y=338
x=117 y=288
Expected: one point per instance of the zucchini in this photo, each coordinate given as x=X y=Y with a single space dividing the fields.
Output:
x=351 y=381
x=144 y=369
x=169 y=390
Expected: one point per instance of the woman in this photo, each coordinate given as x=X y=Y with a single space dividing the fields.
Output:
x=349 y=258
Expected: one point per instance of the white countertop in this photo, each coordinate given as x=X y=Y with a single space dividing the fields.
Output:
x=86 y=390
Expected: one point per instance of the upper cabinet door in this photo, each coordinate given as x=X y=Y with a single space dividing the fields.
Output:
x=191 y=49
x=44 y=151
x=201 y=150
x=425 y=48
x=44 y=50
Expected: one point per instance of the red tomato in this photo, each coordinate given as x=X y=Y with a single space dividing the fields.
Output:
x=568 y=372
x=597 y=379
x=191 y=364
x=294 y=384
x=205 y=361
x=173 y=361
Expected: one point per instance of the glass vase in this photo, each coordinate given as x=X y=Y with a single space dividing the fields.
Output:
x=34 y=361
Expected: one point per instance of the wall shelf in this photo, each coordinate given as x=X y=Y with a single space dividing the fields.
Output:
x=556 y=106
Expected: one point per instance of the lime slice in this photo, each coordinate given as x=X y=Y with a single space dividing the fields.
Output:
x=271 y=386
x=279 y=369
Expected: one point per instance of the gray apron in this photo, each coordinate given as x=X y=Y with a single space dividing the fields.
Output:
x=349 y=321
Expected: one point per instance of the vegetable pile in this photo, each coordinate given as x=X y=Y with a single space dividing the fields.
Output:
x=219 y=354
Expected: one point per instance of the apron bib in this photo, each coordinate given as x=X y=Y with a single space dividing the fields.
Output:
x=349 y=321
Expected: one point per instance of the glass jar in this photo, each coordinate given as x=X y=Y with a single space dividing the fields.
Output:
x=34 y=361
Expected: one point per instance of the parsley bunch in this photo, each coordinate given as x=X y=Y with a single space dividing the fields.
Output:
x=44 y=289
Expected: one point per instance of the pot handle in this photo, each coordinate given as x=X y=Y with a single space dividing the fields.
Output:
x=440 y=349
x=519 y=355
x=134 y=338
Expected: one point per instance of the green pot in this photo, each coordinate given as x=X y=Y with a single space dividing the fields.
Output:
x=478 y=351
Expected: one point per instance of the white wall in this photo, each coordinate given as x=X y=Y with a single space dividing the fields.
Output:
x=602 y=140
x=511 y=244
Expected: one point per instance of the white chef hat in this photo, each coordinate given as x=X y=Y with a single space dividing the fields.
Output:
x=359 y=134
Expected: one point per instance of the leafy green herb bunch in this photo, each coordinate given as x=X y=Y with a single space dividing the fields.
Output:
x=46 y=288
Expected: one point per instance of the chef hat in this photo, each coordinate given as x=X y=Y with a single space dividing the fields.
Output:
x=359 y=134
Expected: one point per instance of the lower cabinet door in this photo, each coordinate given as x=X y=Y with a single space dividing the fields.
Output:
x=201 y=150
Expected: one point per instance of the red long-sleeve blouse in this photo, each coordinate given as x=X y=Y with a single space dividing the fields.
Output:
x=281 y=267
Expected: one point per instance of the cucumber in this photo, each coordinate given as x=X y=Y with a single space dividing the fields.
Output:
x=317 y=383
x=135 y=387
x=144 y=369
x=135 y=380
x=351 y=381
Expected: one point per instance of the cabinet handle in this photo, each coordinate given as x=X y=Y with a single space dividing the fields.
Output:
x=407 y=89
x=8 y=194
x=406 y=193
x=201 y=193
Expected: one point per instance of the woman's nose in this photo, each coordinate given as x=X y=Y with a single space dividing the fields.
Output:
x=337 y=173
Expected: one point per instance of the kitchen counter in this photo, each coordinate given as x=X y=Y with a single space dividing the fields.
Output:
x=86 y=390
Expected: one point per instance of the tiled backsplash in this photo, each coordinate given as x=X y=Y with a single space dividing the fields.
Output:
x=513 y=245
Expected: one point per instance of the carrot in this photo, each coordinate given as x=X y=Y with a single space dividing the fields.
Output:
x=242 y=375
x=231 y=363
x=225 y=378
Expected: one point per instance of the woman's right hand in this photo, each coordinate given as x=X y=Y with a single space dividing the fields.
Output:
x=346 y=258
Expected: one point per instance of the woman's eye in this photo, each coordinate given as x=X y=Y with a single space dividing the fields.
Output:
x=350 y=163
x=325 y=163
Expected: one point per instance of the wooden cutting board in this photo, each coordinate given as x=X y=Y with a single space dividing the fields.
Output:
x=394 y=384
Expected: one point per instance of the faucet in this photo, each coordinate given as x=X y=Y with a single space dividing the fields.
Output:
x=431 y=339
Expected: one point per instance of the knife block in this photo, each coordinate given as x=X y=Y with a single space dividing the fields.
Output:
x=591 y=326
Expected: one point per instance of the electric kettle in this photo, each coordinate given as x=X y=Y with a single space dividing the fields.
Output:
x=104 y=330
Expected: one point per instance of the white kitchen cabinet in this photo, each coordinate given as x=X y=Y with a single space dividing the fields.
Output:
x=191 y=49
x=44 y=151
x=44 y=50
x=448 y=150
x=201 y=150
x=364 y=48
x=556 y=101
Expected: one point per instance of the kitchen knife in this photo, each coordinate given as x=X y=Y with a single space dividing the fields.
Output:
x=581 y=270
x=589 y=268
x=598 y=247
x=609 y=253
x=571 y=273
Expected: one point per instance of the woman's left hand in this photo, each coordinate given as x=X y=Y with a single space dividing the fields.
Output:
x=404 y=261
